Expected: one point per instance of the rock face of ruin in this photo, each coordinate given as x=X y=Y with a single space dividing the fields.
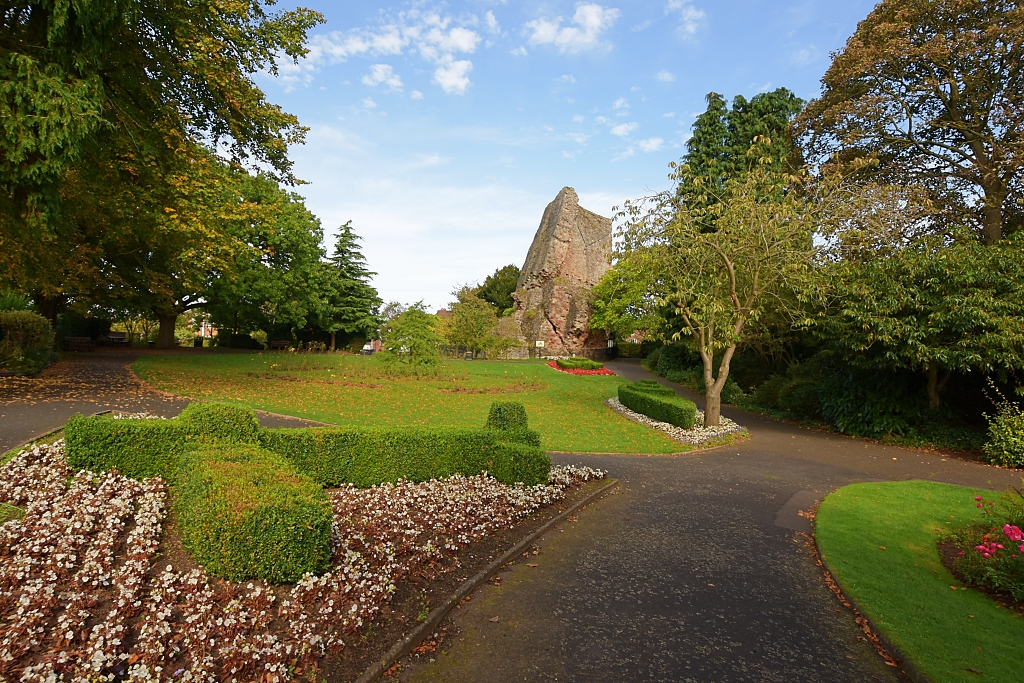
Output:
x=569 y=254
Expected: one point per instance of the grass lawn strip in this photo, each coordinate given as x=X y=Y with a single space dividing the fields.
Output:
x=697 y=436
x=81 y=580
x=879 y=541
x=356 y=390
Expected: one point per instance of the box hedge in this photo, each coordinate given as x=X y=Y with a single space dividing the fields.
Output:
x=220 y=421
x=658 y=405
x=578 y=364
x=245 y=513
x=26 y=342
x=135 y=448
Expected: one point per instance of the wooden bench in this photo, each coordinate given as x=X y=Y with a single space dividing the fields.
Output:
x=79 y=344
x=279 y=344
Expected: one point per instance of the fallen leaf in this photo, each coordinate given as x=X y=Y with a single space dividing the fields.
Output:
x=532 y=564
x=973 y=671
x=493 y=619
x=882 y=547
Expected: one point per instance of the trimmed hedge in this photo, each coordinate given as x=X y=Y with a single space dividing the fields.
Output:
x=245 y=513
x=221 y=421
x=366 y=456
x=666 y=407
x=135 y=448
x=26 y=342
x=578 y=364
x=506 y=415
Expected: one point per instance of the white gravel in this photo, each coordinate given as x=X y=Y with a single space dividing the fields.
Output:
x=697 y=436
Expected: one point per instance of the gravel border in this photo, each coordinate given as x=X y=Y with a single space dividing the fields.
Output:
x=698 y=436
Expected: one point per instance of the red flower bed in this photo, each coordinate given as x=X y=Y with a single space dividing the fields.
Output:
x=602 y=371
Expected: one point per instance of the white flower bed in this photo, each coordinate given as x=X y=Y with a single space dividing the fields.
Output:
x=696 y=436
x=79 y=599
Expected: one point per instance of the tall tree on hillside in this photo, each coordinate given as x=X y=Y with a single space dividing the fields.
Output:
x=498 y=287
x=717 y=151
x=931 y=92
x=472 y=321
x=351 y=302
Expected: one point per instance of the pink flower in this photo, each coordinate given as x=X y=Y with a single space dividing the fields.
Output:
x=977 y=498
x=987 y=555
x=979 y=504
x=1013 y=533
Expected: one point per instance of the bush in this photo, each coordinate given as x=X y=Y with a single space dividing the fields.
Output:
x=767 y=394
x=26 y=342
x=13 y=301
x=245 y=513
x=628 y=349
x=1005 y=445
x=653 y=387
x=220 y=421
x=135 y=448
x=237 y=341
x=578 y=364
x=678 y=356
x=673 y=409
x=506 y=415
x=651 y=360
x=366 y=456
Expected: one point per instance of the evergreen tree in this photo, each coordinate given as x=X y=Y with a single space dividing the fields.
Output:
x=497 y=288
x=351 y=304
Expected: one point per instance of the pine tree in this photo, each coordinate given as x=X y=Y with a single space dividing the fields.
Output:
x=352 y=303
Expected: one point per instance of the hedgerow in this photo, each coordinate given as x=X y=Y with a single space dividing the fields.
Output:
x=246 y=513
x=578 y=364
x=136 y=448
x=658 y=403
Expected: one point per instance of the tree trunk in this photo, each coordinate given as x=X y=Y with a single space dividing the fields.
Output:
x=48 y=307
x=165 y=335
x=936 y=384
x=712 y=406
x=333 y=335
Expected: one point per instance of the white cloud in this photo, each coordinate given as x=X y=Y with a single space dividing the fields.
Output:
x=802 y=56
x=577 y=119
x=651 y=144
x=602 y=119
x=689 y=16
x=624 y=155
x=452 y=75
x=383 y=73
x=567 y=78
x=578 y=138
x=438 y=39
x=416 y=95
x=519 y=52
x=620 y=104
x=590 y=21
x=668 y=115
x=641 y=26
x=368 y=103
x=624 y=129
x=665 y=76
x=491 y=22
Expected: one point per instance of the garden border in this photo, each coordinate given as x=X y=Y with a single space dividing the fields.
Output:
x=906 y=665
x=406 y=644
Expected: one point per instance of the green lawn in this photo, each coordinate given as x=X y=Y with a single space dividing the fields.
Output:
x=905 y=589
x=568 y=410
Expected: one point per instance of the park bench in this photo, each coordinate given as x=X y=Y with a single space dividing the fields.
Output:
x=79 y=344
x=117 y=338
x=279 y=344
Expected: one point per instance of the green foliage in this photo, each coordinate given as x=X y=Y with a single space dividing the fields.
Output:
x=10 y=512
x=135 y=448
x=505 y=415
x=411 y=337
x=366 y=456
x=578 y=364
x=351 y=303
x=658 y=405
x=245 y=513
x=220 y=421
x=26 y=342
x=497 y=288
x=1005 y=445
x=628 y=349
x=472 y=323
x=11 y=300
x=231 y=340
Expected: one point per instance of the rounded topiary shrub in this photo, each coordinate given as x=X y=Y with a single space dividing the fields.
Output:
x=26 y=342
x=1005 y=444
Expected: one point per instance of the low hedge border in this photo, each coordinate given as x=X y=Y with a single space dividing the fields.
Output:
x=578 y=364
x=658 y=403
x=249 y=500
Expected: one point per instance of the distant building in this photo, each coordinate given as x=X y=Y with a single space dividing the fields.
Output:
x=444 y=313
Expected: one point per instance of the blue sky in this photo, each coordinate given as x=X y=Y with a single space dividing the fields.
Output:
x=443 y=130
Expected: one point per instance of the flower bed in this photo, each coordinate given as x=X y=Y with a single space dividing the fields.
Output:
x=571 y=371
x=80 y=598
x=697 y=436
x=990 y=555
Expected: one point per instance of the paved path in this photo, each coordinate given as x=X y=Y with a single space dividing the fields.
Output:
x=693 y=571
x=86 y=383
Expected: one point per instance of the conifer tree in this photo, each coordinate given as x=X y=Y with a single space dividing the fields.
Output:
x=352 y=303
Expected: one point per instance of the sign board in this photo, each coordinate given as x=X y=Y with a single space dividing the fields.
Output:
x=539 y=344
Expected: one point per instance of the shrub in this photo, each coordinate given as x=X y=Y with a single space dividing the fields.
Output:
x=767 y=394
x=135 y=448
x=237 y=341
x=578 y=364
x=26 y=342
x=1005 y=445
x=673 y=409
x=366 y=456
x=651 y=360
x=653 y=387
x=11 y=300
x=628 y=349
x=245 y=513
x=507 y=415
x=220 y=421
x=678 y=356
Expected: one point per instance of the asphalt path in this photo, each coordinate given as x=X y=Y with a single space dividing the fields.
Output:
x=697 y=569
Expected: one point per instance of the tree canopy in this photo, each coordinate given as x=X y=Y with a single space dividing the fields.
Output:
x=931 y=93
x=351 y=303
x=498 y=287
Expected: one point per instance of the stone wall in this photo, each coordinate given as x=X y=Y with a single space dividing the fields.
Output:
x=569 y=254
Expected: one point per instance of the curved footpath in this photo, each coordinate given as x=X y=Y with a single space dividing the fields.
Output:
x=694 y=571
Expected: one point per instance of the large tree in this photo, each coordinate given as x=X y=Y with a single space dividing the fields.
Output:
x=498 y=287
x=931 y=92
x=350 y=302
x=472 y=322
